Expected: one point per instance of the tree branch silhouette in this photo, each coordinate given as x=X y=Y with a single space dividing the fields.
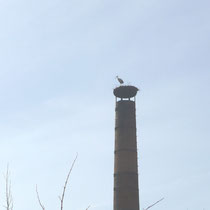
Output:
x=154 y=204
x=9 y=199
x=40 y=203
x=65 y=184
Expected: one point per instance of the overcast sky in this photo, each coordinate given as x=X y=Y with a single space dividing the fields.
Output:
x=58 y=62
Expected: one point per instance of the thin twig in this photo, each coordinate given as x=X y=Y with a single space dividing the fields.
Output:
x=154 y=204
x=88 y=207
x=9 y=199
x=66 y=182
x=38 y=198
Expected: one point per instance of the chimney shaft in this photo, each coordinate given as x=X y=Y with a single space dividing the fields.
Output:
x=126 y=193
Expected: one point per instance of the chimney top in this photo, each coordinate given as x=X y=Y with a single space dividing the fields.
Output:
x=125 y=91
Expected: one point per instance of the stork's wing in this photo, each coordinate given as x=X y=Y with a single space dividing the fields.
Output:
x=121 y=81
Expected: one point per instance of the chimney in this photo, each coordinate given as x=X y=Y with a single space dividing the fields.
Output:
x=126 y=192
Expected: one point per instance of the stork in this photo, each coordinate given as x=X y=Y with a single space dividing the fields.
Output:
x=119 y=80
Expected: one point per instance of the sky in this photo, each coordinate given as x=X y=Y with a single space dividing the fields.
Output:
x=58 y=63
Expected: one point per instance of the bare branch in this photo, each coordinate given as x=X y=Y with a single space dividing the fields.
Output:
x=154 y=204
x=9 y=199
x=40 y=203
x=88 y=207
x=65 y=184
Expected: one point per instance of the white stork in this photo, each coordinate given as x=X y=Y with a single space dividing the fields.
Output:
x=119 y=80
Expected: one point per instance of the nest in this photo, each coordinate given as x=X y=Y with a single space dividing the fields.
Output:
x=125 y=91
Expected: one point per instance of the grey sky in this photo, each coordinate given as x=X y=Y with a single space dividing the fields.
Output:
x=58 y=62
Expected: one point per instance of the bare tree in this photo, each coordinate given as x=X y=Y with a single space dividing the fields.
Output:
x=8 y=192
x=63 y=192
x=9 y=200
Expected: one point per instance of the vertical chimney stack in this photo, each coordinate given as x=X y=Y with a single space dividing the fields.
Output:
x=126 y=192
